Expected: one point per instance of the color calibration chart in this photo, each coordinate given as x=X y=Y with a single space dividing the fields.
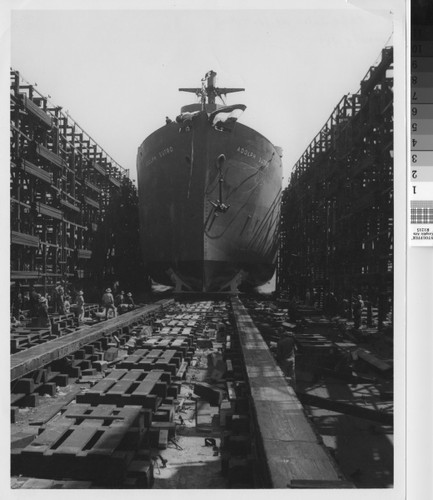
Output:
x=421 y=137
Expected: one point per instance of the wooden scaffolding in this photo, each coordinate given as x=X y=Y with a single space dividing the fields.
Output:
x=61 y=182
x=337 y=212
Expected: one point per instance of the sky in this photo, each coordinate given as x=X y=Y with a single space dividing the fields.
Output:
x=117 y=72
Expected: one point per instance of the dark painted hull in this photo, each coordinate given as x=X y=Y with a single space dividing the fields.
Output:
x=182 y=235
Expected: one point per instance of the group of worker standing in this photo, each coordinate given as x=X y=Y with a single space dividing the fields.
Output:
x=332 y=306
x=119 y=304
x=32 y=304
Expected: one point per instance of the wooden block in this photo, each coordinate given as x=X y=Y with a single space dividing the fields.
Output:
x=239 y=445
x=14 y=413
x=50 y=388
x=211 y=394
x=163 y=439
x=168 y=426
x=15 y=398
x=62 y=380
x=240 y=424
x=145 y=400
x=89 y=349
x=89 y=372
x=141 y=471
x=225 y=411
x=31 y=400
x=80 y=354
x=239 y=470
x=173 y=390
x=111 y=354
x=23 y=386
x=84 y=364
x=160 y=389
x=147 y=417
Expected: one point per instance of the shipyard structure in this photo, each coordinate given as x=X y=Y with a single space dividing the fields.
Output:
x=116 y=386
x=63 y=191
x=337 y=211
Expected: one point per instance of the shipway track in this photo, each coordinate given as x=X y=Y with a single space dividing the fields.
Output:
x=139 y=401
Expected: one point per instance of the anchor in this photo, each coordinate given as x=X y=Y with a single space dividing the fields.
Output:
x=219 y=206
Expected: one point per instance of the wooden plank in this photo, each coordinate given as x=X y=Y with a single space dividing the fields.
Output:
x=66 y=204
x=49 y=211
x=75 y=443
x=52 y=157
x=91 y=202
x=120 y=388
x=373 y=360
x=271 y=389
x=289 y=445
x=36 y=111
x=24 y=239
x=292 y=461
x=50 y=435
x=38 y=356
x=84 y=254
x=52 y=411
x=348 y=409
x=99 y=169
x=284 y=421
x=36 y=171
x=114 y=181
x=92 y=186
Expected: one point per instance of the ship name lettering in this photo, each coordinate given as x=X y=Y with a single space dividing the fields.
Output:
x=150 y=161
x=166 y=151
x=246 y=152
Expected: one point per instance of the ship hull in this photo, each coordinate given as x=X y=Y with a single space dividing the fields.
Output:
x=184 y=174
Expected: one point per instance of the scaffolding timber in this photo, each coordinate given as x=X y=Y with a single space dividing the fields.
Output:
x=61 y=185
x=337 y=211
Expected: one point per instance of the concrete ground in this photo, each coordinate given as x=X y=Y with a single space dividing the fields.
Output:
x=190 y=462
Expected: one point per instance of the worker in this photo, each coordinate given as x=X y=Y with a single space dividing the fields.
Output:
x=130 y=301
x=33 y=302
x=358 y=306
x=80 y=307
x=108 y=302
x=59 y=298
x=67 y=305
x=286 y=348
x=119 y=299
x=17 y=304
x=43 y=312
